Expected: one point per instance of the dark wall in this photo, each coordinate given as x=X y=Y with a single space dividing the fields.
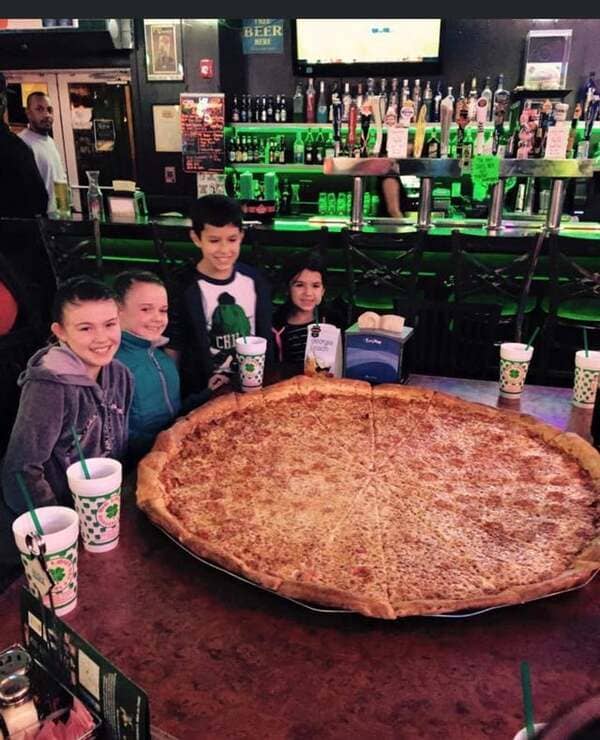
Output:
x=200 y=41
x=472 y=46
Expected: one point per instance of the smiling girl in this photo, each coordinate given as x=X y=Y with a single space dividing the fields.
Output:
x=306 y=278
x=75 y=385
x=143 y=311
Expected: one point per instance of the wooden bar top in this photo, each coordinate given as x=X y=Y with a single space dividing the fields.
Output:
x=222 y=659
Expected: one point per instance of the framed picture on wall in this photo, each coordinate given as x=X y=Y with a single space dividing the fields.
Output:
x=163 y=49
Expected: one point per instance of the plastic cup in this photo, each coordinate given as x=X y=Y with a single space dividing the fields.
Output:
x=514 y=364
x=97 y=501
x=251 y=353
x=522 y=734
x=61 y=529
x=587 y=374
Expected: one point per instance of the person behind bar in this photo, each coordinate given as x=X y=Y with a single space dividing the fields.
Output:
x=143 y=312
x=40 y=115
x=216 y=300
x=306 y=279
x=76 y=385
x=394 y=196
x=22 y=191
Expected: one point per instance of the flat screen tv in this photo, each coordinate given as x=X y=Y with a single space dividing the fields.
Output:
x=358 y=46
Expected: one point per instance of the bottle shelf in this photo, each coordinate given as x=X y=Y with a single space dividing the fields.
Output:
x=290 y=167
x=282 y=128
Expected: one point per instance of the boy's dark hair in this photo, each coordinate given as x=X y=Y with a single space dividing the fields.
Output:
x=124 y=280
x=79 y=289
x=216 y=210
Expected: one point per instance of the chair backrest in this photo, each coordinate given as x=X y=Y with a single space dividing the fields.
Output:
x=174 y=251
x=73 y=247
x=389 y=262
x=569 y=278
x=273 y=263
x=451 y=339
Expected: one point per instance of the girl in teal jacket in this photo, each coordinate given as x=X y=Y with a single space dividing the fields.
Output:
x=143 y=312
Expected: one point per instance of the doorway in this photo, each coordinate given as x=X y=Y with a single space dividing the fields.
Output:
x=93 y=124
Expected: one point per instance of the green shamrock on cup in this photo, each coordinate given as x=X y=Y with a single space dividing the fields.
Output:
x=112 y=511
x=514 y=373
x=249 y=367
x=57 y=574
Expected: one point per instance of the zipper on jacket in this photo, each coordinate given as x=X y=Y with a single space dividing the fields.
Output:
x=163 y=381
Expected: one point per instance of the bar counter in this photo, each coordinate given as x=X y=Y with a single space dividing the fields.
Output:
x=222 y=659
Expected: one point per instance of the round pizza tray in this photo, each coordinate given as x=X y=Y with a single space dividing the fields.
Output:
x=323 y=610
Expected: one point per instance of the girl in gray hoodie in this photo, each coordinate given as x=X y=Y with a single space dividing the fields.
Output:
x=76 y=384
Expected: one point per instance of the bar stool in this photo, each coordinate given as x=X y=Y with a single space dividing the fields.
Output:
x=572 y=303
x=506 y=285
x=381 y=268
x=452 y=339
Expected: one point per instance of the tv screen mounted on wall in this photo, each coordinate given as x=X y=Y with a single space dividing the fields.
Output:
x=359 y=46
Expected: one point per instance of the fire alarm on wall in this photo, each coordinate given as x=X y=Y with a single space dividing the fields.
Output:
x=206 y=68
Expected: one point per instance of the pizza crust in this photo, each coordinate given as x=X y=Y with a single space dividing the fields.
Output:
x=153 y=497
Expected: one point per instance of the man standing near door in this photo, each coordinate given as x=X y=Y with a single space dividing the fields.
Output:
x=22 y=192
x=40 y=115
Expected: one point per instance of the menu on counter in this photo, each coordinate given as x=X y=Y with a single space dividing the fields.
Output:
x=202 y=121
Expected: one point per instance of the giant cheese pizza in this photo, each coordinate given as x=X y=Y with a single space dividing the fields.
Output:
x=389 y=501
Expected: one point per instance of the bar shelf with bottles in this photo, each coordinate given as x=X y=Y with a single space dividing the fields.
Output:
x=355 y=130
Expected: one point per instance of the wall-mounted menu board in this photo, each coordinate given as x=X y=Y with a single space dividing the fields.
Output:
x=202 y=121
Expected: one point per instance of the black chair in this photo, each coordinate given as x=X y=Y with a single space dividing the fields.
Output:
x=174 y=251
x=381 y=268
x=266 y=257
x=73 y=248
x=507 y=285
x=571 y=304
x=451 y=339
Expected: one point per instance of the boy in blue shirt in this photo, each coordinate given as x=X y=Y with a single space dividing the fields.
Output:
x=143 y=313
x=219 y=299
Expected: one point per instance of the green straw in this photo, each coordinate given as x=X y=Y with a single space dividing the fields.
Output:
x=316 y=316
x=532 y=337
x=585 y=342
x=29 y=502
x=527 y=700
x=84 y=466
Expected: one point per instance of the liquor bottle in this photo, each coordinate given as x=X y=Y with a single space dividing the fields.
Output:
x=329 y=146
x=270 y=110
x=244 y=148
x=238 y=149
x=336 y=110
x=405 y=94
x=346 y=101
x=437 y=99
x=308 y=148
x=352 y=122
x=231 y=150
x=587 y=92
x=500 y=92
x=235 y=110
x=359 y=95
x=487 y=94
x=263 y=109
x=298 y=149
x=370 y=87
x=281 y=150
x=256 y=116
x=416 y=97
x=310 y=101
x=95 y=200
x=481 y=116
x=284 y=203
x=428 y=99
x=473 y=97
x=460 y=99
x=383 y=92
x=283 y=109
x=394 y=96
x=319 y=148
x=298 y=105
x=277 y=109
x=446 y=115
x=255 y=149
x=322 y=109
x=244 y=109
